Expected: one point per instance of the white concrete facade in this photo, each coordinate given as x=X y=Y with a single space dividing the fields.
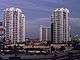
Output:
x=45 y=33
x=60 y=25
x=14 y=25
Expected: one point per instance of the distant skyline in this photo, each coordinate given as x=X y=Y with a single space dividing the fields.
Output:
x=38 y=12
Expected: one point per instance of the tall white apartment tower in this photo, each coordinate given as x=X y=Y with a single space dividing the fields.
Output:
x=14 y=25
x=60 y=25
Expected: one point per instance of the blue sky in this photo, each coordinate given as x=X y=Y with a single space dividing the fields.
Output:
x=38 y=12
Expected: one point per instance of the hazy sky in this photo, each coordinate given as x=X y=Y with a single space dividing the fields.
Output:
x=38 y=12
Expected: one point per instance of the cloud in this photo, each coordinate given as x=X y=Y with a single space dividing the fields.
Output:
x=54 y=1
x=75 y=26
x=34 y=25
x=37 y=12
x=40 y=21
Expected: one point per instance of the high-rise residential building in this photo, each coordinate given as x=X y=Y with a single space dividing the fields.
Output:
x=45 y=33
x=51 y=29
x=2 y=30
x=60 y=19
x=14 y=25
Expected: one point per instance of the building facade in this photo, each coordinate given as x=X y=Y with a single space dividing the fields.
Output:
x=14 y=25
x=45 y=33
x=2 y=30
x=60 y=25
